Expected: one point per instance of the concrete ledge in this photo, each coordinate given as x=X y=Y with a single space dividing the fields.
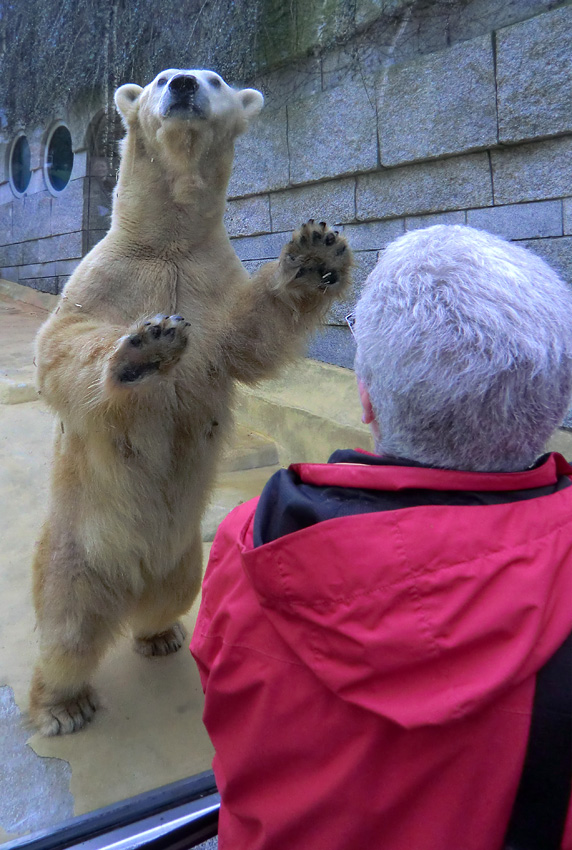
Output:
x=309 y=411
x=248 y=451
x=41 y=300
x=18 y=388
x=232 y=489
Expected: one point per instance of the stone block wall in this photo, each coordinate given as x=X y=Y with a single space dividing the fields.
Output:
x=394 y=133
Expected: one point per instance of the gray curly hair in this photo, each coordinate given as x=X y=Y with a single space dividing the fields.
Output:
x=464 y=343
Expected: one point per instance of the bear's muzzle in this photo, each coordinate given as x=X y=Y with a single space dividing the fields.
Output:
x=183 y=95
x=183 y=85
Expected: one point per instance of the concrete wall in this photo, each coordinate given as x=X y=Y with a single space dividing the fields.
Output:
x=438 y=112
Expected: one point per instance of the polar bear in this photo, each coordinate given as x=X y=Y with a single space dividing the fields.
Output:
x=139 y=362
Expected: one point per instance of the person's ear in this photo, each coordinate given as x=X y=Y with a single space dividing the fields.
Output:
x=368 y=415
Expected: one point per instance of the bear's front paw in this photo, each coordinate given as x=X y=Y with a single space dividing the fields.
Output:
x=150 y=348
x=317 y=258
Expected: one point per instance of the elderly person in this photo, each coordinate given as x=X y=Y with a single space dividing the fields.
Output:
x=371 y=629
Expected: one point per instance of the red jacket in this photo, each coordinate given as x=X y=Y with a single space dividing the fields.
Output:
x=369 y=679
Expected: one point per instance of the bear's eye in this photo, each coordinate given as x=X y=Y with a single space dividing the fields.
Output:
x=214 y=82
x=161 y=81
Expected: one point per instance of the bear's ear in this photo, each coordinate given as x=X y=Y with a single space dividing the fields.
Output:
x=252 y=102
x=126 y=98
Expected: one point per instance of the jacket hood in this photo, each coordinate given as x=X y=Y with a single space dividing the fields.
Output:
x=422 y=614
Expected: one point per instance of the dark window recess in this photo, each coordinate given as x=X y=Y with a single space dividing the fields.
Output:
x=20 y=165
x=103 y=139
x=59 y=161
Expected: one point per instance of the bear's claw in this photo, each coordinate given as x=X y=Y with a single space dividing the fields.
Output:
x=319 y=255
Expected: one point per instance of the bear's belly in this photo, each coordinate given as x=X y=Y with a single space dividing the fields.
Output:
x=136 y=500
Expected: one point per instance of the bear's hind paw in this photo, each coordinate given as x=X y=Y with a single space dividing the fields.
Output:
x=165 y=643
x=65 y=716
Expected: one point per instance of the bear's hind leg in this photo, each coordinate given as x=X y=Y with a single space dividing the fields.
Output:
x=77 y=622
x=61 y=699
x=156 y=629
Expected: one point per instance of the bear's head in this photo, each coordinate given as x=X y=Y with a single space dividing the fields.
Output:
x=185 y=113
x=180 y=133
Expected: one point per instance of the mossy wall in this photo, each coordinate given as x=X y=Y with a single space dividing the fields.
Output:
x=291 y=30
x=64 y=51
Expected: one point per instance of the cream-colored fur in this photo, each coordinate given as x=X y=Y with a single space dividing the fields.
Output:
x=139 y=362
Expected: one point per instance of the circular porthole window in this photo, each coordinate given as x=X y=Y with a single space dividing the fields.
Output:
x=59 y=159
x=20 y=173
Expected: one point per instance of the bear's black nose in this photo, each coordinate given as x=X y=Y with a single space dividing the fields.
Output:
x=183 y=84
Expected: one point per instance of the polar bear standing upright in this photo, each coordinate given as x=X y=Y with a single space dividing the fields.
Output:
x=139 y=362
